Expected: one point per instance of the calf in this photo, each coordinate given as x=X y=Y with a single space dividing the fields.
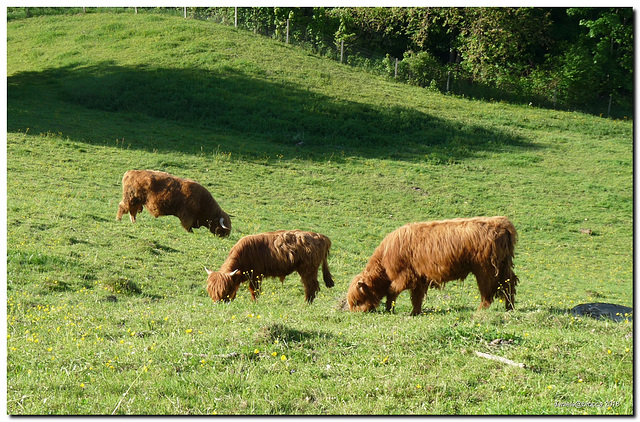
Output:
x=272 y=254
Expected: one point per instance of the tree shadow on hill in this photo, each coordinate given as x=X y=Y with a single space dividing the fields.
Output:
x=247 y=114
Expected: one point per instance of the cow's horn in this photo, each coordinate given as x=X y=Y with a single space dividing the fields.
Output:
x=233 y=272
x=222 y=223
x=208 y=270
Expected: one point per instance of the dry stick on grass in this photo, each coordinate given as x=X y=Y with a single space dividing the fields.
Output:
x=143 y=369
x=501 y=359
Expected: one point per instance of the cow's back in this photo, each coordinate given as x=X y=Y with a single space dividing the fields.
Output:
x=442 y=249
x=279 y=251
x=255 y=253
x=302 y=245
x=149 y=180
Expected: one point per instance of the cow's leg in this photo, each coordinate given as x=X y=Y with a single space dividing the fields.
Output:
x=391 y=300
x=122 y=210
x=133 y=211
x=310 y=282
x=187 y=224
x=132 y=214
x=417 y=295
x=487 y=284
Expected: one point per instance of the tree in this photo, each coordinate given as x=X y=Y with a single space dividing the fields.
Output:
x=497 y=43
x=610 y=39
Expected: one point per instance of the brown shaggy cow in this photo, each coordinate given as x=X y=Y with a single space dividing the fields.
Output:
x=422 y=255
x=165 y=194
x=272 y=254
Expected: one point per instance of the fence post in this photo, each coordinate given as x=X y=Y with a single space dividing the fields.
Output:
x=609 y=109
x=136 y=9
x=395 y=75
x=235 y=18
x=287 y=31
x=341 y=51
x=185 y=12
x=27 y=12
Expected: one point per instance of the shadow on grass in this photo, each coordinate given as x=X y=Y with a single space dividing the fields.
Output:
x=281 y=332
x=146 y=107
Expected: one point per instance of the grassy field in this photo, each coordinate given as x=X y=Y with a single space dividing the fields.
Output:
x=108 y=317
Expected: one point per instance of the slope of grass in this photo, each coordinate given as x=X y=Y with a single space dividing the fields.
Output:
x=108 y=317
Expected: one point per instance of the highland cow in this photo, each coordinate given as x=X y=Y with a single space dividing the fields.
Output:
x=164 y=194
x=422 y=255
x=272 y=254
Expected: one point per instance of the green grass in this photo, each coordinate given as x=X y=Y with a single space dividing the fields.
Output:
x=108 y=317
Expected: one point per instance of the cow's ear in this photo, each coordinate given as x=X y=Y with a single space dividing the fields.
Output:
x=208 y=270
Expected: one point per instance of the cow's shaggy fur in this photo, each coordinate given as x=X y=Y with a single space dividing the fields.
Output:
x=272 y=254
x=164 y=194
x=422 y=255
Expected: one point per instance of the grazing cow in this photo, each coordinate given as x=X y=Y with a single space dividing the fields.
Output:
x=165 y=194
x=272 y=254
x=422 y=255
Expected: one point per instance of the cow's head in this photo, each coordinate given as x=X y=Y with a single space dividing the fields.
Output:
x=360 y=296
x=222 y=227
x=222 y=286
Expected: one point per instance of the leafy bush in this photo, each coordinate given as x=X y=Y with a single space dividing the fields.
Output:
x=421 y=69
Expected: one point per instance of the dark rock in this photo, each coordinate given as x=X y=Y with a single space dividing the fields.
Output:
x=604 y=310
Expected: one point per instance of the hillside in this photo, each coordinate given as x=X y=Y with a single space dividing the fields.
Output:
x=106 y=316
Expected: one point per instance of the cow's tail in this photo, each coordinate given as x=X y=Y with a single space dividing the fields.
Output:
x=326 y=274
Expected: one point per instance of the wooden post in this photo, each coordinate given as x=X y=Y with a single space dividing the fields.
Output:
x=84 y=9
x=396 y=72
x=136 y=9
x=341 y=51
x=185 y=13
x=609 y=109
x=287 y=31
x=235 y=19
x=448 y=79
x=27 y=12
